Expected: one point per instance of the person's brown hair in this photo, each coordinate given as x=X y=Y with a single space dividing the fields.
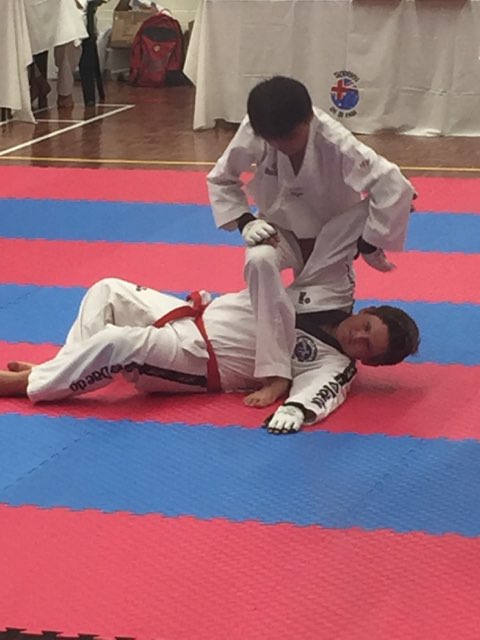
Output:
x=403 y=332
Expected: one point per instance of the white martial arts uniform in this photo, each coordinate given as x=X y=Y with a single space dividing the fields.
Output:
x=113 y=334
x=342 y=191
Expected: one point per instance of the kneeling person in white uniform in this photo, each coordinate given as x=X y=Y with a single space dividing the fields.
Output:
x=322 y=196
x=163 y=344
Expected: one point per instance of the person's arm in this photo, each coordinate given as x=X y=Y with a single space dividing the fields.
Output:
x=314 y=395
x=226 y=189
x=390 y=194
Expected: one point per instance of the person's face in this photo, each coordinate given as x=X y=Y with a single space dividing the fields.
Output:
x=293 y=143
x=363 y=337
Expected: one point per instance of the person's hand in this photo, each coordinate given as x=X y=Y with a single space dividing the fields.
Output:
x=374 y=256
x=378 y=260
x=286 y=419
x=258 y=231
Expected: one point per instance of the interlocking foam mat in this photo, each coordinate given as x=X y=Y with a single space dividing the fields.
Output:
x=179 y=518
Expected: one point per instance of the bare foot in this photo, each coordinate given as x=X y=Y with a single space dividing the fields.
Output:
x=19 y=365
x=273 y=389
x=13 y=383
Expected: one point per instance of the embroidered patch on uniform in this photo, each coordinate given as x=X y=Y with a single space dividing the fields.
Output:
x=305 y=349
x=303 y=298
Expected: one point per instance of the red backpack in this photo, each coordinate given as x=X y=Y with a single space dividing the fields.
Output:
x=157 y=51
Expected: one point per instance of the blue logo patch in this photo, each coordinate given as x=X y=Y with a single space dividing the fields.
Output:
x=305 y=349
x=344 y=94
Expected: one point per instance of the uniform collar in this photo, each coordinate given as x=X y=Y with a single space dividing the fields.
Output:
x=312 y=323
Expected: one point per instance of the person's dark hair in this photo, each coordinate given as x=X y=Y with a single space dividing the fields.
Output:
x=403 y=332
x=276 y=106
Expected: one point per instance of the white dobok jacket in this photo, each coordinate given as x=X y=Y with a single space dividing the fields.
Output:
x=338 y=173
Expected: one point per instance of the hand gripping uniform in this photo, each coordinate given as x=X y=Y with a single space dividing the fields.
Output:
x=115 y=333
x=342 y=191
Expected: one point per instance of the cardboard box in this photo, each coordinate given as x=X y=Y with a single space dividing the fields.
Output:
x=126 y=23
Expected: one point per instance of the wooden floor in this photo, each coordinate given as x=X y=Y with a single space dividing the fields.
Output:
x=153 y=128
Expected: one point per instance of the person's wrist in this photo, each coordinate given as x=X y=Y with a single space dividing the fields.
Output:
x=244 y=219
x=365 y=247
x=298 y=406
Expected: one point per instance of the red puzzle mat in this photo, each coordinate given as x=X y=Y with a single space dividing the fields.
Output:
x=205 y=574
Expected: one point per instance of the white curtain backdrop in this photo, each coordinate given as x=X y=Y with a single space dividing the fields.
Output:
x=411 y=65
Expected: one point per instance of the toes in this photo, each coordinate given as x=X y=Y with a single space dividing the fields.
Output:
x=17 y=366
x=253 y=401
x=266 y=401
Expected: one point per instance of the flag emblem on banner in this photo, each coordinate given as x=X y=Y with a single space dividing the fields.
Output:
x=344 y=93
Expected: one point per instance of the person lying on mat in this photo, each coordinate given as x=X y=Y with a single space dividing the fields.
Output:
x=163 y=344
x=322 y=197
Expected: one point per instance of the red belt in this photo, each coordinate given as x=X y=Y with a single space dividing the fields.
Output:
x=195 y=311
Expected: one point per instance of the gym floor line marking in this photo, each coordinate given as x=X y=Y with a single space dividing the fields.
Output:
x=99 y=105
x=37 y=111
x=454 y=169
x=12 y=120
x=111 y=161
x=55 y=121
x=65 y=129
x=199 y=163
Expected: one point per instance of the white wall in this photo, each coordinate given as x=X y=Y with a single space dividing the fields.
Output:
x=183 y=10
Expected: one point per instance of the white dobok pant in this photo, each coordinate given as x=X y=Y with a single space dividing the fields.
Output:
x=325 y=282
x=113 y=334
